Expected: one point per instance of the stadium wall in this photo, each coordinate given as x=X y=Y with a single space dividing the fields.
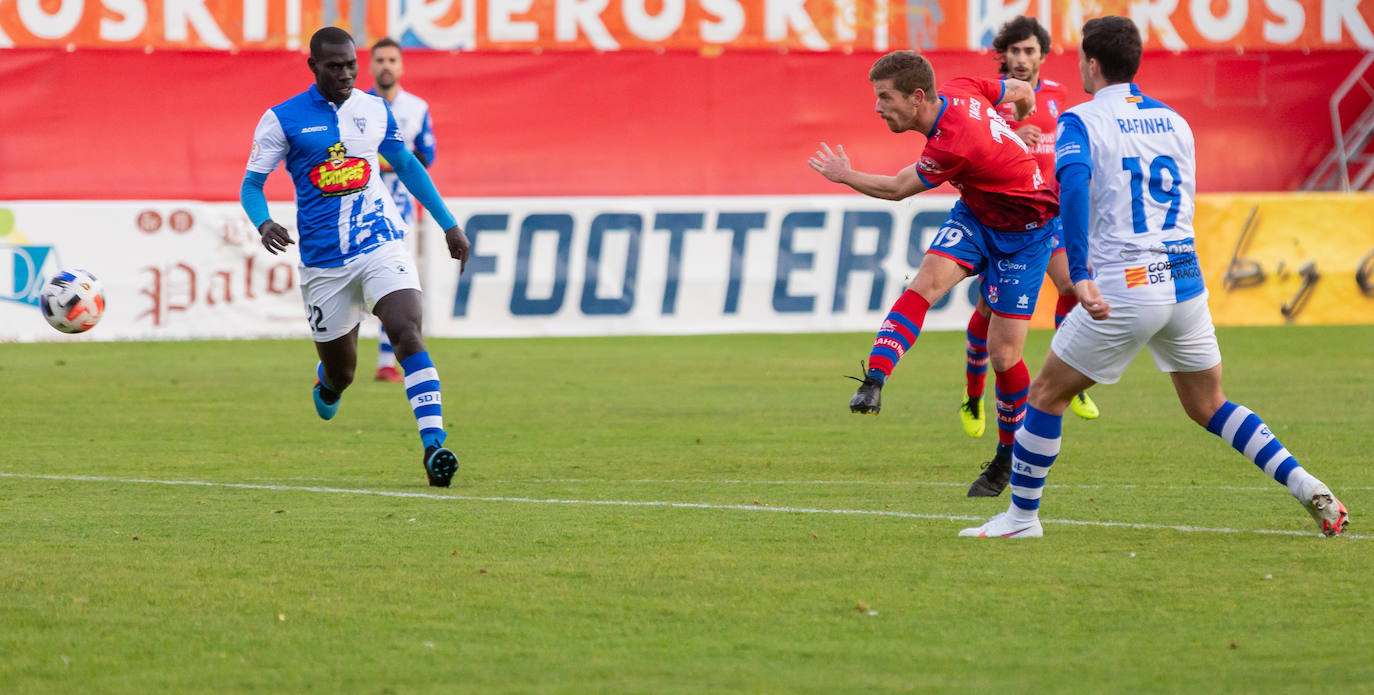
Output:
x=93 y=124
x=641 y=265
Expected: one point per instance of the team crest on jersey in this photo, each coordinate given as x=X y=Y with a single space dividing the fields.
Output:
x=360 y=122
x=992 y=294
x=1054 y=107
x=340 y=174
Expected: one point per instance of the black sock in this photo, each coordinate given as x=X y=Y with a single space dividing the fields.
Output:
x=328 y=395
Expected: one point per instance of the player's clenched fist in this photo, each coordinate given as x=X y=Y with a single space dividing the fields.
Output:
x=1090 y=296
x=275 y=238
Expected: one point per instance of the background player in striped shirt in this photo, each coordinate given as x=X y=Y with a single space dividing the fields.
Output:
x=1021 y=45
x=1131 y=161
x=412 y=119
x=1000 y=227
x=352 y=258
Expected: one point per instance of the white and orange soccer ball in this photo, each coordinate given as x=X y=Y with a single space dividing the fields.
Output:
x=73 y=301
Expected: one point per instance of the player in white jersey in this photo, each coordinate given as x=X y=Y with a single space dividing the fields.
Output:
x=1129 y=159
x=412 y=119
x=352 y=259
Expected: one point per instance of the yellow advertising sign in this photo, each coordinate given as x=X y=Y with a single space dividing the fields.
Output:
x=1272 y=259
x=1300 y=258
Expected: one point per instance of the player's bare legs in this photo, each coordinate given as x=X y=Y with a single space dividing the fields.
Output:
x=1203 y=400
x=338 y=358
x=1056 y=385
x=401 y=313
x=936 y=277
x=1200 y=393
x=1058 y=270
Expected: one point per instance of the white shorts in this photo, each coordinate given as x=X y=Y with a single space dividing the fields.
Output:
x=336 y=298
x=1180 y=337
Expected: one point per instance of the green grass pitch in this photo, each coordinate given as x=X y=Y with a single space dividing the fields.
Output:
x=177 y=519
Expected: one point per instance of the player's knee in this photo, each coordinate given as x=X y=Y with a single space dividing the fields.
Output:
x=1003 y=357
x=405 y=332
x=406 y=340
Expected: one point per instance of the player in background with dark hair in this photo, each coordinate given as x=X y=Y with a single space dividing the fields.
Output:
x=412 y=118
x=352 y=256
x=1022 y=45
x=1127 y=168
x=1000 y=227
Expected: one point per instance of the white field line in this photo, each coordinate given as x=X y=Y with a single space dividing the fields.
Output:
x=639 y=503
x=1272 y=486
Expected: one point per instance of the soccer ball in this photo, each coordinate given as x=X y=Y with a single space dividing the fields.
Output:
x=72 y=301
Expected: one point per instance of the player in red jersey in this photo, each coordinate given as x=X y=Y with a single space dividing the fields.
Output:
x=1001 y=226
x=1021 y=45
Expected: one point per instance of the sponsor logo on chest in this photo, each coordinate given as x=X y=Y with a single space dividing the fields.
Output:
x=340 y=174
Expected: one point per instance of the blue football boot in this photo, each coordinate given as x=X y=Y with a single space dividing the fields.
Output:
x=325 y=410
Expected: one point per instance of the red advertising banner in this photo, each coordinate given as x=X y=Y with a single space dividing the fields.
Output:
x=121 y=125
x=707 y=26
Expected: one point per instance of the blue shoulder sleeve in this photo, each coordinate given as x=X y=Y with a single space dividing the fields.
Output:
x=424 y=142
x=1073 y=167
x=252 y=199
x=1074 y=180
x=412 y=173
x=1071 y=145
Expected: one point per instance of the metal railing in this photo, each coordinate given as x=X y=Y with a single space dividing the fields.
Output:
x=1350 y=143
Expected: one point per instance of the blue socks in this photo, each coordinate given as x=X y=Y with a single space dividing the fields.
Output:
x=1246 y=432
x=422 y=388
x=1036 y=447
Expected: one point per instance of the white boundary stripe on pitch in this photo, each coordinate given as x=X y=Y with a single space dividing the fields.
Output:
x=904 y=483
x=642 y=503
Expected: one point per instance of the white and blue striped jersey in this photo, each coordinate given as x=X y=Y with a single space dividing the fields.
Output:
x=412 y=117
x=1143 y=179
x=342 y=207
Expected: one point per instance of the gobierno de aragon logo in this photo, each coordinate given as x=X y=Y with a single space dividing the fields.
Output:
x=340 y=174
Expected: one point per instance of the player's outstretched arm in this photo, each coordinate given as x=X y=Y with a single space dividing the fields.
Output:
x=1020 y=93
x=412 y=173
x=834 y=165
x=275 y=238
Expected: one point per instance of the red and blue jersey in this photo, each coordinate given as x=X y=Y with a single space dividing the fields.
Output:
x=1050 y=99
x=972 y=148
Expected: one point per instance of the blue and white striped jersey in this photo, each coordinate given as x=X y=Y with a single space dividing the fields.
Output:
x=342 y=207
x=412 y=117
x=1143 y=180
